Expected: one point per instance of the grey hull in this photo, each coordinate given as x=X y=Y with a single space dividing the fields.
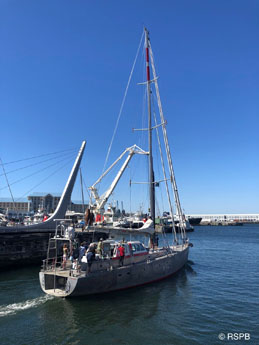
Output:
x=116 y=279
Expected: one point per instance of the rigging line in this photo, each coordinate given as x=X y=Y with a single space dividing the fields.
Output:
x=45 y=179
x=82 y=191
x=45 y=154
x=8 y=184
x=142 y=136
x=86 y=188
x=31 y=165
x=122 y=104
x=38 y=171
x=157 y=205
x=164 y=172
x=130 y=191
x=160 y=150
x=165 y=240
x=142 y=139
x=167 y=148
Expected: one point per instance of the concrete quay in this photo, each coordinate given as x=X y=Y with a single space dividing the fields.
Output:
x=220 y=223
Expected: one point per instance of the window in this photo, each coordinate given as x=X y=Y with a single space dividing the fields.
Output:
x=133 y=248
x=142 y=248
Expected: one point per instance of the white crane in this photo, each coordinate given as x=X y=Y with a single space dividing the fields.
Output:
x=100 y=201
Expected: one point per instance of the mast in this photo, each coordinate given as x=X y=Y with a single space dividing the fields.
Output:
x=168 y=153
x=151 y=171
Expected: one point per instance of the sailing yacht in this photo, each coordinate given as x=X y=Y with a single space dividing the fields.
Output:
x=141 y=264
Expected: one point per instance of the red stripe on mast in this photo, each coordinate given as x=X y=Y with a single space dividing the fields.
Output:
x=147 y=63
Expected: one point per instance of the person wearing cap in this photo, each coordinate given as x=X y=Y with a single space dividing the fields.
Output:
x=100 y=247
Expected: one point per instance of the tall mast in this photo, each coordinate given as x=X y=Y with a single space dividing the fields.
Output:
x=151 y=171
x=169 y=157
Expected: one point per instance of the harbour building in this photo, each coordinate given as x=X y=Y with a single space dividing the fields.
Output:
x=20 y=207
x=45 y=201
x=49 y=202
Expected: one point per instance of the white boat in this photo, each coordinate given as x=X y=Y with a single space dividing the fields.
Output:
x=3 y=219
x=166 y=222
x=142 y=265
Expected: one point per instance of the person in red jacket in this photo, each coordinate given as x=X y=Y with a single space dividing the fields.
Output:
x=121 y=251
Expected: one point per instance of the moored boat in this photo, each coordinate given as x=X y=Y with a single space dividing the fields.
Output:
x=194 y=220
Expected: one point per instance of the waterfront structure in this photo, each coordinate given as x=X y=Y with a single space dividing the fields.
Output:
x=48 y=202
x=20 y=244
x=45 y=201
x=242 y=217
x=20 y=207
x=77 y=207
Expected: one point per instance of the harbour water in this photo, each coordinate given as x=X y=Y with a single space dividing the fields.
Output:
x=214 y=296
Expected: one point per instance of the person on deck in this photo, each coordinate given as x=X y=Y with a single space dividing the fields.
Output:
x=89 y=218
x=121 y=252
x=90 y=258
x=65 y=255
x=82 y=251
x=100 y=247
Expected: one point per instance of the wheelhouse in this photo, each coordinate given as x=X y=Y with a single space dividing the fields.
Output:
x=137 y=248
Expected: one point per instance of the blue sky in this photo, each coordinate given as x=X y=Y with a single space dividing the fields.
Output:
x=64 y=67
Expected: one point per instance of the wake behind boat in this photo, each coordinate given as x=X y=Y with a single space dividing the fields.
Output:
x=123 y=263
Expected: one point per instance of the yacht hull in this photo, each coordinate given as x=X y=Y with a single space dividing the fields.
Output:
x=119 y=278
